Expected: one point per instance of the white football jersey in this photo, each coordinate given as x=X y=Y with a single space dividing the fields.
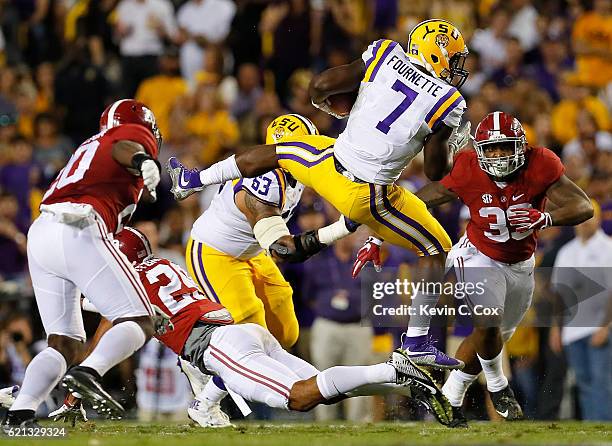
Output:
x=398 y=106
x=225 y=228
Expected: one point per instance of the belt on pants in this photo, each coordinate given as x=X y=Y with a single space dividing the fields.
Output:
x=345 y=173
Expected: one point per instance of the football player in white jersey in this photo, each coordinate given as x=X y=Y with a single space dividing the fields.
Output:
x=406 y=102
x=226 y=253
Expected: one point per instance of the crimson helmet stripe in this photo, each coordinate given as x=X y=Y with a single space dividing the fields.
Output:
x=111 y=112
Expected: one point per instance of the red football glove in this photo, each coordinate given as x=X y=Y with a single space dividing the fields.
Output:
x=527 y=219
x=369 y=252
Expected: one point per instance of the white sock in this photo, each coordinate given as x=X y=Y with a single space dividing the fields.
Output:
x=41 y=376
x=456 y=386
x=342 y=379
x=211 y=393
x=418 y=325
x=117 y=344
x=492 y=368
x=220 y=172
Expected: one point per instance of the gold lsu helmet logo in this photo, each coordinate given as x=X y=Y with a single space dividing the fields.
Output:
x=279 y=133
x=442 y=40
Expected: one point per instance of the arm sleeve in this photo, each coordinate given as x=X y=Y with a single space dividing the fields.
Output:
x=136 y=133
x=268 y=188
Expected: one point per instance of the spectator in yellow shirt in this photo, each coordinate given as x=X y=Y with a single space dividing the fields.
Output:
x=575 y=97
x=161 y=92
x=592 y=42
x=211 y=123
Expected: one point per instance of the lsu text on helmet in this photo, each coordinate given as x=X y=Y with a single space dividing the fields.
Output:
x=289 y=125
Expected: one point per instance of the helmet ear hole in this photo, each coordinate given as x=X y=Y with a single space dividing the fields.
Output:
x=435 y=58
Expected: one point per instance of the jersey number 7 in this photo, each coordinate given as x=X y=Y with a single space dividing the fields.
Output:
x=385 y=125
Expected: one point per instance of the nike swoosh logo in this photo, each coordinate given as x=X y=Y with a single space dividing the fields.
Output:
x=410 y=352
x=503 y=414
x=181 y=180
x=516 y=197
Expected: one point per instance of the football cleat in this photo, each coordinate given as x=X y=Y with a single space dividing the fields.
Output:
x=19 y=419
x=423 y=388
x=184 y=181
x=86 y=382
x=459 y=420
x=7 y=396
x=506 y=405
x=423 y=352
x=208 y=414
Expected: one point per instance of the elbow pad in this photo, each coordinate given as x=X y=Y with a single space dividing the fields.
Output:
x=268 y=230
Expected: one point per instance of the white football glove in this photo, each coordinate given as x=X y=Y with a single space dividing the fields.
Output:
x=459 y=137
x=70 y=412
x=326 y=107
x=7 y=396
x=150 y=176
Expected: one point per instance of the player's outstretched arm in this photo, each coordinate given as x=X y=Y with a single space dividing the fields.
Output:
x=568 y=206
x=248 y=163
x=435 y=152
x=434 y=194
x=342 y=79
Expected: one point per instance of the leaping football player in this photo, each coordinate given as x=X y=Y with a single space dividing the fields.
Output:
x=249 y=359
x=407 y=101
x=505 y=183
x=70 y=251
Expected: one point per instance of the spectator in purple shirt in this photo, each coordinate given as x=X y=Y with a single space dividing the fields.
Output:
x=12 y=238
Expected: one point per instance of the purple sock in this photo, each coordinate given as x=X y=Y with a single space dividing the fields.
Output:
x=219 y=383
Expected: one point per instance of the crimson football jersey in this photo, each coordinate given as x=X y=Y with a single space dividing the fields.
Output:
x=488 y=201
x=171 y=289
x=92 y=176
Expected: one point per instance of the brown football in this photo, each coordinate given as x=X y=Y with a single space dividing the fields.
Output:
x=343 y=102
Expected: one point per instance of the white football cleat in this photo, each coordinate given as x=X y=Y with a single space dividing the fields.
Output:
x=208 y=414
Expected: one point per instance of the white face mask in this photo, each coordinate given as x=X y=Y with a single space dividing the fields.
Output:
x=501 y=167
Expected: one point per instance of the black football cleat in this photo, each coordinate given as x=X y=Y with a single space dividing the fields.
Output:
x=506 y=404
x=459 y=420
x=423 y=388
x=86 y=382
x=19 y=419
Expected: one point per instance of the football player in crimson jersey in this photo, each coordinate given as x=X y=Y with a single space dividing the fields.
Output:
x=247 y=358
x=512 y=191
x=70 y=251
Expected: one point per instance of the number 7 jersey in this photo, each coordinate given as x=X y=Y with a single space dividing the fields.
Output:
x=397 y=107
x=489 y=201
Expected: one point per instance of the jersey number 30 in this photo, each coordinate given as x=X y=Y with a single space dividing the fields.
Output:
x=385 y=125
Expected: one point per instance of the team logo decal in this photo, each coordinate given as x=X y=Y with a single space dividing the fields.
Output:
x=279 y=132
x=504 y=199
x=442 y=40
x=487 y=198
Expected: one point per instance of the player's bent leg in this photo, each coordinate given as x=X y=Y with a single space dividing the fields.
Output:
x=236 y=353
x=225 y=279
x=277 y=297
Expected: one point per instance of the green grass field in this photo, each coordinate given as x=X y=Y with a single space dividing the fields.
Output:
x=245 y=434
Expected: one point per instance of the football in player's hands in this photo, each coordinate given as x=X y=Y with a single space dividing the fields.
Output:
x=338 y=105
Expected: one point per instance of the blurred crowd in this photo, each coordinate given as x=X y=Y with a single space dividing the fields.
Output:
x=215 y=72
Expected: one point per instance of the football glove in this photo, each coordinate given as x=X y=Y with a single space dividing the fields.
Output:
x=7 y=396
x=459 y=138
x=149 y=170
x=369 y=252
x=527 y=219
x=70 y=412
x=326 y=107
x=305 y=245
